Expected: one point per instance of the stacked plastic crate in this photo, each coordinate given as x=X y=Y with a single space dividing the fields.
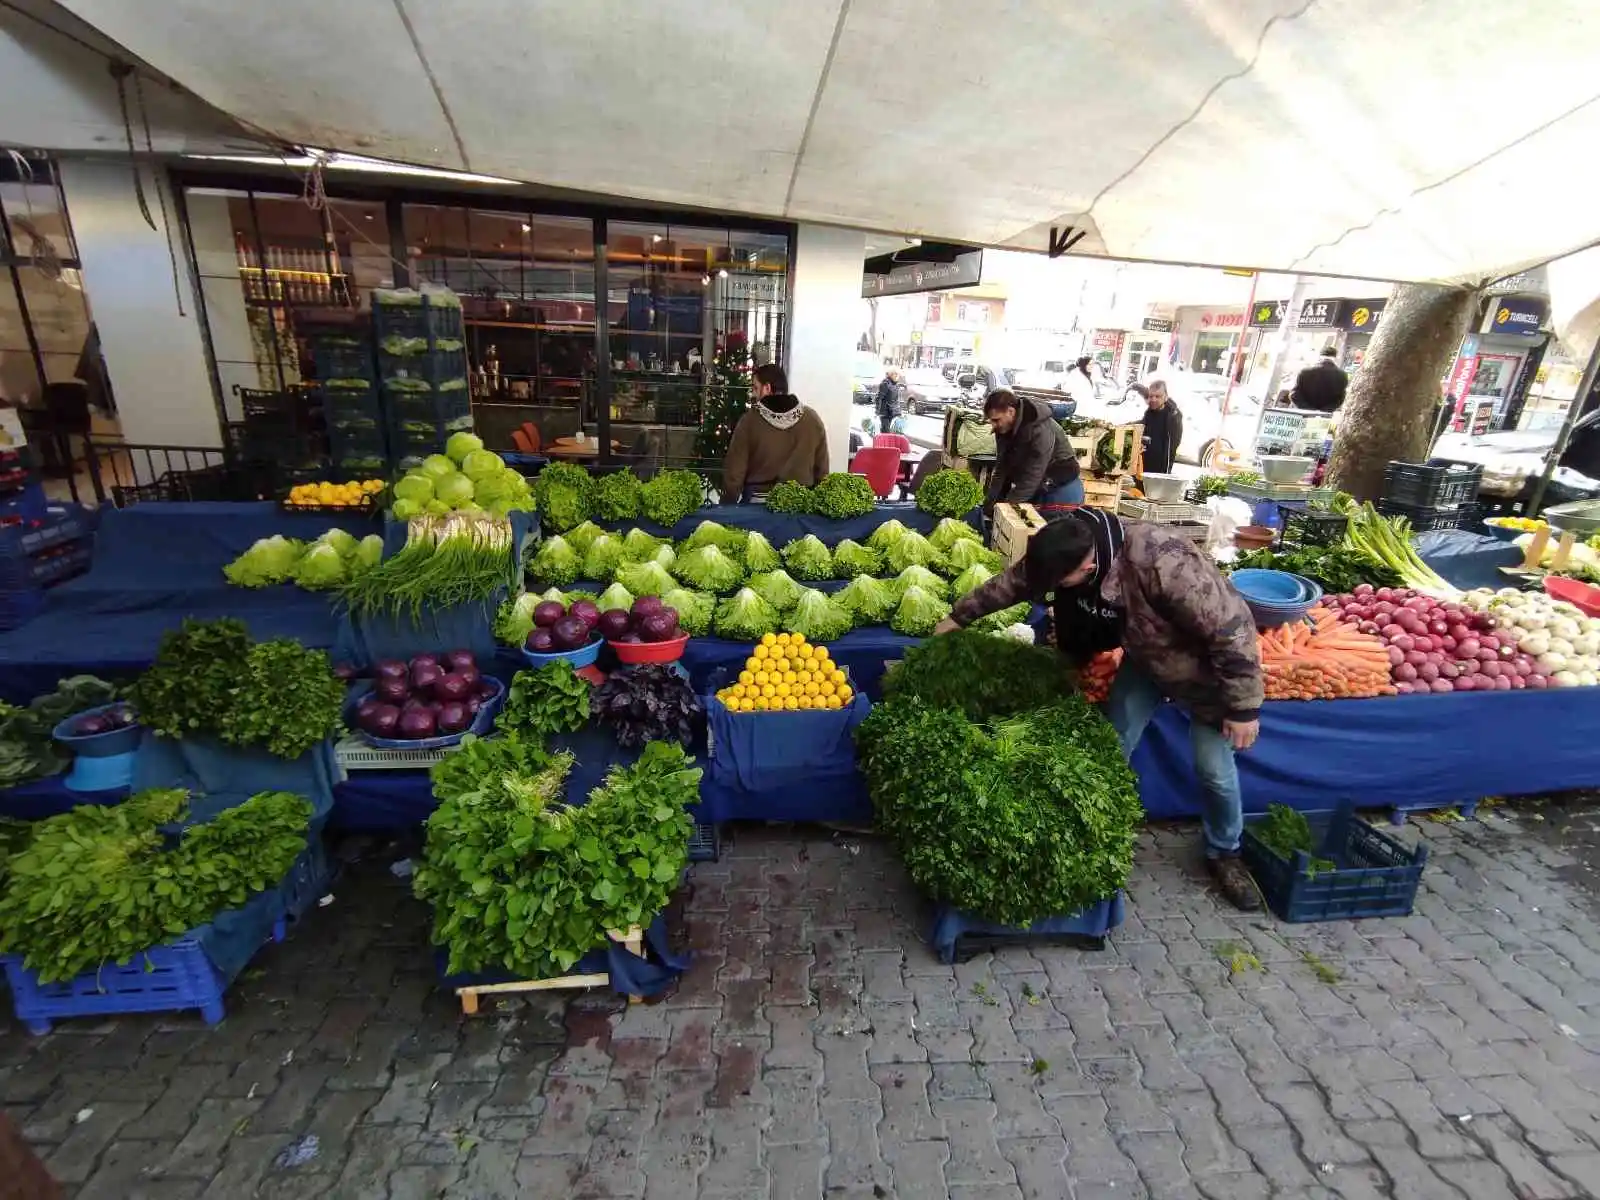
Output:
x=422 y=363
x=352 y=405
x=282 y=431
x=41 y=545
x=1434 y=495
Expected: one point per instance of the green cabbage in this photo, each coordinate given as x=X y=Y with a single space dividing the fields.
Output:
x=645 y=579
x=556 y=561
x=671 y=496
x=973 y=577
x=808 y=558
x=603 y=558
x=842 y=496
x=745 y=617
x=919 y=576
x=709 y=569
x=480 y=464
x=269 y=561
x=694 y=609
x=852 y=558
x=615 y=596
x=320 y=568
x=951 y=530
x=369 y=553
x=759 y=554
x=918 y=612
x=583 y=536
x=884 y=535
x=777 y=588
x=340 y=539
x=871 y=600
x=637 y=545
x=967 y=553
x=436 y=465
x=616 y=496
x=404 y=510
x=817 y=618
x=462 y=444
x=414 y=486
x=455 y=489
x=911 y=549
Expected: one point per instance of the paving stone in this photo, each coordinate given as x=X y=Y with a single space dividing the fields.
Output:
x=75 y=1158
x=1530 y=1178
x=907 y=1113
x=855 y=1157
x=216 y=1121
x=797 y=1172
x=796 y=1118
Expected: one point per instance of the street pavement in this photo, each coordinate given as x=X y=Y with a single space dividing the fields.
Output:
x=816 y=1048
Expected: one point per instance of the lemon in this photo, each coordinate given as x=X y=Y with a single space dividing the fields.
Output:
x=762 y=704
x=803 y=676
x=782 y=689
x=791 y=704
x=825 y=689
x=747 y=677
x=820 y=653
x=768 y=639
x=762 y=651
x=844 y=694
x=762 y=677
x=812 y=689
x=835 y=702
x=769 y=690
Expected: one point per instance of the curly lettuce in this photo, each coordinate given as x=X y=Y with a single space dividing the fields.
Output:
x=951 y=530
x=695 y=609
x=646 y=578
x=777 y=588
x=709 y=568
x=745 y=617
x=808 y=558
x=872 y=600
x=817 y=618
x=851 y=558
x=556 y=561
x=919 y=576
x=918 y=612
x=759 y=554
x=911 y=549
x=269 y=561
x=885 y=535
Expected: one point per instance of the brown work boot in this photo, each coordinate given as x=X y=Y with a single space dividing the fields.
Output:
x=1234 y=881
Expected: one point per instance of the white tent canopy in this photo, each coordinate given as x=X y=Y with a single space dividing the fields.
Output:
x=1394 y=139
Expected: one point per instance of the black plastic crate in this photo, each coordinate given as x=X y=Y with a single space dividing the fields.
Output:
x=1307 y=525
x=363 y=451
x=1423 y=519
x=348 y=410
x=424 y=319
x=295 y=408
x=431 y=372
x=1374 y=874
x=1431 y=485
x=343 y=361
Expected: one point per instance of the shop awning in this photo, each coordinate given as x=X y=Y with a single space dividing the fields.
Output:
x=1431 y=140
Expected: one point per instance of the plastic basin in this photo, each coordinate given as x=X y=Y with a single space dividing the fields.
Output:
x=1164 y=489
x=1585 y=597
x=650 y=652
x=98 y=745
x=583 y=656
x=1503 y=532
x=1271 y=587
x=1285 y=468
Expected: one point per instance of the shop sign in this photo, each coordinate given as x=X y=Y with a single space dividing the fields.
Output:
x=1280 y=426
x=1361 y=316
x=1221 y=320
x=906 y=278
x=1461 y=379
x=1318 y=314
x=745 y=285
x=1267 y=314
x=1156 y=325
x=935 y=309
x=1515 y=314
x=1482 y=419
x=1107 y=339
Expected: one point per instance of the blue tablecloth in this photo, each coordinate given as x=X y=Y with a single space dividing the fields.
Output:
x=1466 y=559
x=863 y=653
x=1401 y=751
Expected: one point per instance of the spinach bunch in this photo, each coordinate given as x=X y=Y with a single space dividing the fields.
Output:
x=1285 y=830
x=1336 y=569
x=476 y=759
x=550 y=700
x=1026 y=817
x=520 y=881
x=979 y=676
x=97 y=885
x=197 y=666
x=27 y=748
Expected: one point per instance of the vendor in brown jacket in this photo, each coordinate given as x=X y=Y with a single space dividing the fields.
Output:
x=777 y=439
x=1185 y=634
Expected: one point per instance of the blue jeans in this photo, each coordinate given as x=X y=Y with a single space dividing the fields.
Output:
x=1133 y=701
x=1067 y=493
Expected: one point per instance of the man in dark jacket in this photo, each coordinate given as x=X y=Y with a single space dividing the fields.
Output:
x=889 y=400
x=1185 y=633
x=1321 y=388
x=1163 y=427
x=1034 y=462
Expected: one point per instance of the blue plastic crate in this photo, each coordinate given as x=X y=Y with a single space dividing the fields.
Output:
x=1374 y=874
x=424 y=319
x=56 y=523
x=26 y=503
x=705 y=842
x=52 y=566
x=959 y=935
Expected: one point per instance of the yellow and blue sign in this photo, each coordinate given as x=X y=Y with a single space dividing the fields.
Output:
x=1515 y=314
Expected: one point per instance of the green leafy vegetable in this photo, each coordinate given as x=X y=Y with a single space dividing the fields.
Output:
x=1336 y=568
x=193 y=677
x=694 y=609
x=617 y=496
x=872 y=600
x=951 y=530
x=710 y=533
x=564 y=496
x=513 y=621
x=646 y=578
x=851 y=558
x=842 y=496
x=808 y=558
x=581 y=537
x=709 y=568
x=28 y=750
x=368 y=554
x=1031 y=817
x=320 y=569
x=1284 y=831
x=817 y=618
x=885 y=535
x=745 y=617
x=477 y=759
x=979 y=676
x=759 y=554
x=615 y=596
x=637 y=545
x=949 y=493
x=964 y=554
x=447 y=561
x=918 y=612
x=556 y=561
x=911 y=549
x=671 y=496
x=997 y=622
x=919 y=576
x=777 y=588
x=547 y=701
x=602 y=559
x=974 y=576
x=521 y=882
x=269 y=561
x=790 y=497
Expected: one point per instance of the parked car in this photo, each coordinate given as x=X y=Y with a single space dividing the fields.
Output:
x=1511 y=457
x=928 y=392
x=865 y=377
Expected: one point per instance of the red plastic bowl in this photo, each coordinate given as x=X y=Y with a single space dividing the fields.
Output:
x=1583 y=596
x=650 y=652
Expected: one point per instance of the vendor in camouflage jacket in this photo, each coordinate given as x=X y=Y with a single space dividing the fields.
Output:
x=1186 y=635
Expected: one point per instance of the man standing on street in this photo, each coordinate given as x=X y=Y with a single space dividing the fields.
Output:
x=1163 y=427
x=888 y=401
x=1321 y=388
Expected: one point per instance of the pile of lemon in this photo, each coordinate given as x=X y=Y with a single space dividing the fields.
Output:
x=335 y=495
x=1520 y=524
x=787 y=674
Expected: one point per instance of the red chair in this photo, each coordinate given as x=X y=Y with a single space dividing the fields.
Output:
x=532 y=433
x=880 y=465
x=523 y=442
x=898 y=440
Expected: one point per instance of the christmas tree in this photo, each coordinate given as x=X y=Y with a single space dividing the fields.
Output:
x=727 y=396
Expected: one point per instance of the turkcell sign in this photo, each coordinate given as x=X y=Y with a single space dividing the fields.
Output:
x=1514 y=314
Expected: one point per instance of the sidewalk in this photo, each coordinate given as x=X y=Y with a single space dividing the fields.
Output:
x=817 y=1049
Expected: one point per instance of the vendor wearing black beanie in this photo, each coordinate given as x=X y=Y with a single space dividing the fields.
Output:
x=1185 y=634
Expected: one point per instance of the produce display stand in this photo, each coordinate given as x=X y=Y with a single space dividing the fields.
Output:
x=957 y=936
x=631 y=940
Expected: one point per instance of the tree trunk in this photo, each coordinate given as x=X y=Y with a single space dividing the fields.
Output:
x=1394 y=398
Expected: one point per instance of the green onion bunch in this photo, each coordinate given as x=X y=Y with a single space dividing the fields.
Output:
x=446 y=561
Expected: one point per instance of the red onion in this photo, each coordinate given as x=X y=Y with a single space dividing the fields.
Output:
x=391 y=668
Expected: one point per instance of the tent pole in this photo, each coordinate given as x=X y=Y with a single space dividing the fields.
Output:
x=1574 y=411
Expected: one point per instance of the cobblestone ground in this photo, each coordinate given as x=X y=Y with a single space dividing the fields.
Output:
x=817 y=1049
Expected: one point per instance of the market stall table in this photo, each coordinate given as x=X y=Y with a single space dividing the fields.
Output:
x=567 y=448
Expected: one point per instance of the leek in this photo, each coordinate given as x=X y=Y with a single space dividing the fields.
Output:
x=1386 y=541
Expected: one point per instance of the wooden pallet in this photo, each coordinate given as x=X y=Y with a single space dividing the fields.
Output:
x=632 y=941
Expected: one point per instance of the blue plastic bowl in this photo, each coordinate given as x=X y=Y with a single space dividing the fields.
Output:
x=98 y=745
x=1503 y=532
x=584 y=656
x=110 y=773
x=1272 y=587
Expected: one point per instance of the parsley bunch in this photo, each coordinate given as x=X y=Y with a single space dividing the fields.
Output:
x=540 y=703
